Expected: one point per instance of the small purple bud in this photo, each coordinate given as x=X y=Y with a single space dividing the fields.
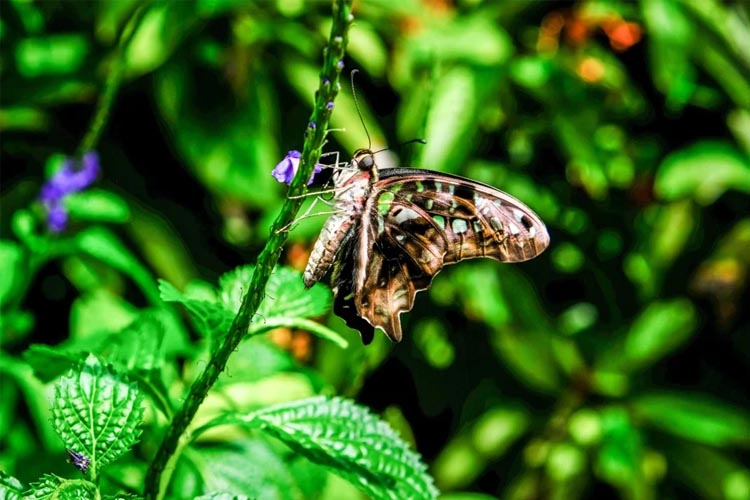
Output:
x=340 y=64
x=72 y=177
x=326 y=81
x=286 y=168
x=57 y=217
x=313 y=125
x=329 y=105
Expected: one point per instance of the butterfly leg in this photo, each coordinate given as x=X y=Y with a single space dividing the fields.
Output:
x=307 y=215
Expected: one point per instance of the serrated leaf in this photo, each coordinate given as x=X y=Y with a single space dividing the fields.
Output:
x=346 y=438
x=10 y=487
x=97 y=413
x=51 y=486
x=11 y=259
x=286 y=295
x=696 y=417
x=212 y=319
x=97 y=205
x=703 y=171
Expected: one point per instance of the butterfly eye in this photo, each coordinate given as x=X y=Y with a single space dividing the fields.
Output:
x=367 y=162
x=363 y=159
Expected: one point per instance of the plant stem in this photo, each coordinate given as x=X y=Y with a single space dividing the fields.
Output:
x=112 y=84
x=177 y=435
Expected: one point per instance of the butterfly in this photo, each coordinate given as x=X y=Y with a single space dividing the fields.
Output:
x=394 y=229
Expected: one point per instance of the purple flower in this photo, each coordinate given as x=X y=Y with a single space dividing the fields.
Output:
x=329 y=105
x=72 y=177
x=286 y=168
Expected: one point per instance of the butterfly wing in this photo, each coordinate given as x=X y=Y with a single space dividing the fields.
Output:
x=414 y=223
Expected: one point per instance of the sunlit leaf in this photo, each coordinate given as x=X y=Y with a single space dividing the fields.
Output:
x=10 y=487
x=97 y=205
x=660 y=329
x=97 y=413
x=11 y=259
x=721 y=476
x=696 y=417
x=51 y=55
x=247 y=465
x=703 y=171
x=94 y=313
x=467 y=455
x=51 y=486
x=104 y=245
x=348 y=440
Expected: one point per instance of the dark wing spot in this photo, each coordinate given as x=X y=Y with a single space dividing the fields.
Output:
x=464 y=191
x=526 y=221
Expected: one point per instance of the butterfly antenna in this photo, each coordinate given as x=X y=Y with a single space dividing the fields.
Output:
x=359 y=111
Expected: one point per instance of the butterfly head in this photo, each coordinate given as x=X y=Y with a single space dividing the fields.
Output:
x=364 y=159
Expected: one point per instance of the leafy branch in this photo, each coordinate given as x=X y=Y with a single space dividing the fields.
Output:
x=176 y=435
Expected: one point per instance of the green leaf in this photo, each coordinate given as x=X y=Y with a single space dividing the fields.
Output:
x=51 y=486
x=51 y=55
x=696 y=417
x=703 y=171
x=16 y=324
x=233 y=156
x=101 y=311
x=722 y=476
x=350 y=441
x=619 y=456
x=212 y=319
x=102 y=244
x=466 y=496
x=451 y=122
x=258 y=358
x=11 y=269
x=138 y=347
x=48 y=362
x=246 y=465
x=158 y=35
x=467 y=455
x=287 y=302
x=97 y=205
x=222 y=496
x=23 y=118
x=286 y=295
x=659 y=330
x=10 y=487
x=97 y=413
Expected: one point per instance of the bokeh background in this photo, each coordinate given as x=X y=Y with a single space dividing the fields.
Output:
x=614 y=365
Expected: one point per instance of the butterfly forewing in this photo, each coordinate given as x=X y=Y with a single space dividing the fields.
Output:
x=413 y=223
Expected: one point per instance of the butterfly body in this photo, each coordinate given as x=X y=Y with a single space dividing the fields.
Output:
x=398 y=227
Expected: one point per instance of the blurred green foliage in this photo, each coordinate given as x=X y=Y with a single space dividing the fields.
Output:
x=614 y=364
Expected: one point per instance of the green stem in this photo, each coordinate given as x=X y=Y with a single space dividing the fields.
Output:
x=177 y=435
x=114 y=78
